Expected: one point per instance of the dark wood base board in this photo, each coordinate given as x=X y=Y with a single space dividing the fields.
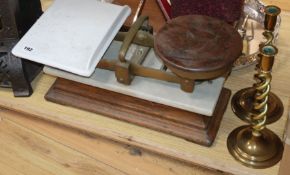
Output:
x=193 y=127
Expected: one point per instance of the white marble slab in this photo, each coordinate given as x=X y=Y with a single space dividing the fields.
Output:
x=72 y=35
x=203 y=100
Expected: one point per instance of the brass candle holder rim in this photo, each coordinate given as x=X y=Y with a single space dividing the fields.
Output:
x=268 y=50
x=272 y=10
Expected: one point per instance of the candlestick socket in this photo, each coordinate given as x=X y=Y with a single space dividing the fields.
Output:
x=271 y=13
x=267 y=55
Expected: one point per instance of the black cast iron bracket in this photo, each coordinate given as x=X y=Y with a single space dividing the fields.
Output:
x=16 y=18
x=18 y=74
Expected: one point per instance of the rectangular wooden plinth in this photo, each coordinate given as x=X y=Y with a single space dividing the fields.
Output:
x=190 y=126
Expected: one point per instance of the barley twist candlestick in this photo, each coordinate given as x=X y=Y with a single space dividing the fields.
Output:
x=243 y=100
x=254 y=145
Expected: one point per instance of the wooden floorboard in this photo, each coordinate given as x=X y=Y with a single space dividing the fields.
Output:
x=131 y=160
x=25 y=152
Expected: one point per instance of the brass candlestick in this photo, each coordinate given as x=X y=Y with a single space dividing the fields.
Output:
x=243 y=100
x=254 y=145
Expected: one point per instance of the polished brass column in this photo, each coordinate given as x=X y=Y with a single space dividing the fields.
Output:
x=254 y=145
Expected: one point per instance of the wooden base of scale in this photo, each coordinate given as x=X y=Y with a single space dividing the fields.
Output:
x=193 y=127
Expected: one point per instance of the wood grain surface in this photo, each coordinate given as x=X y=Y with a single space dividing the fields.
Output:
x=26 y=152
x=190 y=126
x=197 y=44
x=120 y=157
x=215 y=157
x=76 y=142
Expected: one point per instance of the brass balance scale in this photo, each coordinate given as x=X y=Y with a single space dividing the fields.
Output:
x=253 y=145
x=174 y=45
x=193 y=49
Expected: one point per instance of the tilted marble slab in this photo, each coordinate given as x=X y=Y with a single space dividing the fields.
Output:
x=203 y=100
x=72 y=35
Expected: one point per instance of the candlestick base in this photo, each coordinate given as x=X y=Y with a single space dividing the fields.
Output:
x=261 y=150
x=242 y=106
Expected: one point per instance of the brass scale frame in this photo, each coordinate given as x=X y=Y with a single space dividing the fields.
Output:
x=125 y=70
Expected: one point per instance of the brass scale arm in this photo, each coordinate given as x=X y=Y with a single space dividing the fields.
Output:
x=138 y=34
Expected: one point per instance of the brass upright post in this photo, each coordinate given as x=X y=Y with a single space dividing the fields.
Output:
x=254 y=145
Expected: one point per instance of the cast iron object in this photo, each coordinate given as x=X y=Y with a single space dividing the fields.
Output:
x=4 y=71
x=17 y=73
x=16 y=17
